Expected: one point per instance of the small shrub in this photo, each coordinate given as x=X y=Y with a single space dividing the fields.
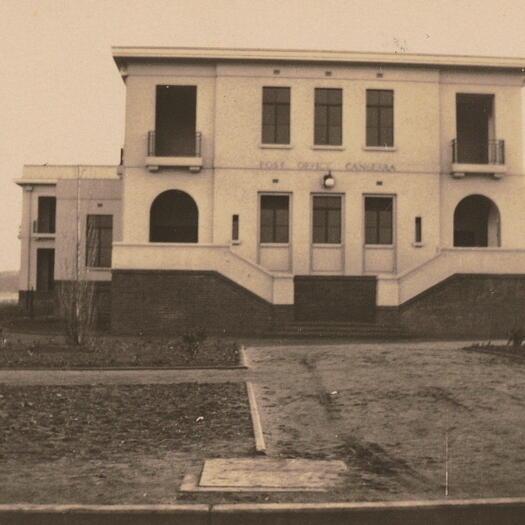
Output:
x=516 y=336
x=193 y=340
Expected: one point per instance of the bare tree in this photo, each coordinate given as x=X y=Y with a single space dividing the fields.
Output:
x=76 y=296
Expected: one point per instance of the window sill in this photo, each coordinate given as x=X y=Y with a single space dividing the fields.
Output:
x=384 y=149
x=380 y=246
x=274 y=244
x=327 y=245
x=236 y=243
x=275 y=146
x=328 y=147
x=418 y=244
x=43 y=235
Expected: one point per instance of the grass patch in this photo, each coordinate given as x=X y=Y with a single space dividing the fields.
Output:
x=110 y=352
x=14 y=318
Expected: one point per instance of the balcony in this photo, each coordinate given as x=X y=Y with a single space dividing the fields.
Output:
x=478 y=157
x=182 y=151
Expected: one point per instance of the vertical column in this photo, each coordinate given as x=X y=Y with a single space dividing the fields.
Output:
x=27 y=265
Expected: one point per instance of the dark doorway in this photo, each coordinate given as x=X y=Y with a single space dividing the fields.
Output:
x=175 y=121
x=45 y=269
x=174 y=217
x=473 y=122
x=476 y=222
x=335 y=298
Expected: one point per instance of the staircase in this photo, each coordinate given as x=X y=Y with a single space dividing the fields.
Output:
x=341 y=330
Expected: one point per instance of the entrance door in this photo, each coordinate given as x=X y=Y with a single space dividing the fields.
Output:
x=45 y=269
x=176 y=121
x=473 y=120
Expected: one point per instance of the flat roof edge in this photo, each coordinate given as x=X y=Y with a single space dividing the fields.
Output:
x=70 y=166
x=211 y=53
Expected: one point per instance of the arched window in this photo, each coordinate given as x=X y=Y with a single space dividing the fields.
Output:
x=476 y=222
x=174 y=217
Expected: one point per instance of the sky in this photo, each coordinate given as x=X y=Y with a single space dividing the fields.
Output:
x=62 y=99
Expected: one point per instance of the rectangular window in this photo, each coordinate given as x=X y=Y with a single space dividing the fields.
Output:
x=419 y=230
x=275 y=218
x=326 y=228
x=99 y=238
x=380 y=117
x=235 y=227
x=276 y=115
x=378 y=220
x=328 y=123
x=46 y=215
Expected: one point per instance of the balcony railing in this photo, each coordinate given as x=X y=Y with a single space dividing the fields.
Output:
x=182 y=151
x=493 y=152
x=189 y=148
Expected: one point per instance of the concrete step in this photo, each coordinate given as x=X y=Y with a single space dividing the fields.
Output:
x=342 y=330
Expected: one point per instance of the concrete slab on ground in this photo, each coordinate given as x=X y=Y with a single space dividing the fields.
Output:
x=266 y=474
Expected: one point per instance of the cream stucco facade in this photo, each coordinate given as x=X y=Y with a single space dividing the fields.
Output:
x=231 y=169
x=237 y=167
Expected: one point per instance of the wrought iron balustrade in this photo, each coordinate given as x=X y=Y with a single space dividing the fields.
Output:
x=184 y=146
x=491 y=152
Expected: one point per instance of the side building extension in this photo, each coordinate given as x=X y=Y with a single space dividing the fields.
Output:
x=269 y=191
x=71 y=216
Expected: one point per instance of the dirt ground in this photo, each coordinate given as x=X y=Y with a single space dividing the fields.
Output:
x=411 y=421
x=109 y=444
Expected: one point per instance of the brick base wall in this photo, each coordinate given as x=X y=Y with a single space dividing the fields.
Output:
x=163 y=302
x=37 y=303
x=473 y=305
x=48 y=303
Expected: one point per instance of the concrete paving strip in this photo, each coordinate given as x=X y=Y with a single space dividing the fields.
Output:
x=260 y=445
x=466 y=512
x=266 y=475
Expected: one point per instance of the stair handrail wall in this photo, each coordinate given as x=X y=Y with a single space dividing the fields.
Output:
x=396 y=290
x=274 y=288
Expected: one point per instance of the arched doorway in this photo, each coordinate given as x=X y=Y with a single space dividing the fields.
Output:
x=476 y=222
x=174 y=217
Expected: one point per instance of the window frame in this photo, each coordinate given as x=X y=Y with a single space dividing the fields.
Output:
x=259 y=221
x=327 y=126
x=275 y=116
x=97 y=238
x=341 y=221
x=380 y=144
x=393 y=221
x=418 y=229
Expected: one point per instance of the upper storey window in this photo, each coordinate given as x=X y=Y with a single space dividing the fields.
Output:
x=46 y=215
x=380 y=118
x=328 y=117
x=276 y=115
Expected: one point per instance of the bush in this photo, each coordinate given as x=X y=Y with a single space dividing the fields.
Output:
x=192 y=341
x=516 y=336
